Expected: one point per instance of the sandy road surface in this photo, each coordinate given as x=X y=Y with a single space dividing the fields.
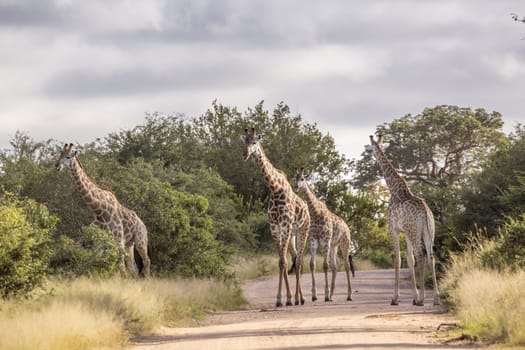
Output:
x=367 y=322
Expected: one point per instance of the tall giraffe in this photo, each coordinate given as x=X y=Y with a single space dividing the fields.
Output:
x=109 y=214
x=330 y=231
x=409 y=214
x=287 y=215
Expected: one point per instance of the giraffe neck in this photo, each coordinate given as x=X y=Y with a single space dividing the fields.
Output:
x=87 y=188
x=273 y=177
x=397 y=185
x=315 y=205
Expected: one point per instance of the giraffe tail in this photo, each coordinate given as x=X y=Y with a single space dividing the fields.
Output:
x=350 y=260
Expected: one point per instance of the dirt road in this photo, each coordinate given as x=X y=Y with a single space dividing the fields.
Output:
x=367 y=322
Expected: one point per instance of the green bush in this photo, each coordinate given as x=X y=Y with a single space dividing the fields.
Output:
x=96 y=253
x=25 y=228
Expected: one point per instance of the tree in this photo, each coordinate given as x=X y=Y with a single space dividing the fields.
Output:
x=496 y=192
x=438 y=152
x=442 y=146
x=289 y=142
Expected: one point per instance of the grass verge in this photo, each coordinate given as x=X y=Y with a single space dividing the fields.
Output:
x=93 y=313
x=489 y=303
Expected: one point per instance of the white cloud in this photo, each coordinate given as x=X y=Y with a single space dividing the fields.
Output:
x=78 y=70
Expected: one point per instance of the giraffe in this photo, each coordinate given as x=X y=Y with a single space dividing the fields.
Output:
x=287 y=215
x=109 y=214
x=409 y=214
x=330 y=231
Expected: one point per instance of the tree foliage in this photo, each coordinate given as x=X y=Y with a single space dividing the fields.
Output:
x=497 y=191
x=442 y=146
x=25 y=230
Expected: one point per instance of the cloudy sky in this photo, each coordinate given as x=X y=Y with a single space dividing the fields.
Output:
x=77 y=70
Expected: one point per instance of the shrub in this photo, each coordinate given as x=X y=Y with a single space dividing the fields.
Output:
x=96 y=253
x=25 y=228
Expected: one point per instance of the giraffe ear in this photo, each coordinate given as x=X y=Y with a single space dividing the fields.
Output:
x=74 y=154
x=243 y=138
x=259 y=137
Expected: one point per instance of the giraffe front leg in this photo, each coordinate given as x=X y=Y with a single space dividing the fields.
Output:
x=313 y=251
x=397 y=266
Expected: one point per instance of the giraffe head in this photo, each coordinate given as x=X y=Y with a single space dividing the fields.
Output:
x=66 y=155
x=300 y=180
x=375 y=146
x=251 y=143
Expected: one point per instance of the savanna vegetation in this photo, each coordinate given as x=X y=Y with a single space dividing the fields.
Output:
x=205 y=210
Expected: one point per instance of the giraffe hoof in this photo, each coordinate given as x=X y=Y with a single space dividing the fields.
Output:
x=302 y=301
x=326 y=299
x=289 y=303
x=314 y=298
x=349 y=299
x=297 y=302
x=278 y=304
x=420 y=303
x=394 y=302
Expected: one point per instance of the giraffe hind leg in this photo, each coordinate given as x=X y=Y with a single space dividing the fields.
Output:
x=130 y=261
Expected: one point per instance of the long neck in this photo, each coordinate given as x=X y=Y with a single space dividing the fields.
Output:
x=87 y=188
x=397 y=185
x=314 y=204
x=273 y=177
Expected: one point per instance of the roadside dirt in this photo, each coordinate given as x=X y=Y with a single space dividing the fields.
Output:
x=367 y=322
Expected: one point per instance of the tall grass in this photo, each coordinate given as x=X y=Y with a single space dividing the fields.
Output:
x=60 y=326
x=87 y=313
x=489 y=303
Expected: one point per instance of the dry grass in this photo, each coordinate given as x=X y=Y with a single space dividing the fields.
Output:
x=96 y=313
x=489 y=303
x=61 y=326
x=492 y=305
x=256 y=266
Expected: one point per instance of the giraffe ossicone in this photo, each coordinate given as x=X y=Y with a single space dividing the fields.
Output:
x=109 y=214
x=288 y=216
x=409 y=214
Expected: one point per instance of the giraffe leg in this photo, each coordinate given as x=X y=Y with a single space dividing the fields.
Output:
x=283 y=269
x=130 y=261
x=313 y=251
x=428 y=239
x=293 y=252
x=326 y=252
x=302 y=236
x=397 y=265
x=420 y=261
x=333 y=266
x=345 y=250
x=410 y=262
x=142 y=249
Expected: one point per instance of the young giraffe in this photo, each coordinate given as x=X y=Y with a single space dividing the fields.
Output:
x=109 y=214
x=409 y=214
x=287 y=215
x=330 y=231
